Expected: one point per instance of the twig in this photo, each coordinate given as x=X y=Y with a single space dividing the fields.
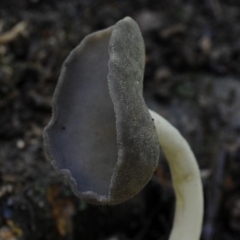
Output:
x=13 y=33
x=214 y=196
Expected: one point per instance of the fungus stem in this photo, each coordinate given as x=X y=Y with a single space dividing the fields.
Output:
x=186 y=181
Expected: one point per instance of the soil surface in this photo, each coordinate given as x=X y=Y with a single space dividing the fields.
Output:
x=192 y=78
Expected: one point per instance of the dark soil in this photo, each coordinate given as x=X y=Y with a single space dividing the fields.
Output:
x=192 y=78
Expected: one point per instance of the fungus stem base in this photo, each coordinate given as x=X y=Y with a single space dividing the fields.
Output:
x=186 y=181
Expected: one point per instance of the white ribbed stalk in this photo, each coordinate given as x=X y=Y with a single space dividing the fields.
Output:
x=186 y=181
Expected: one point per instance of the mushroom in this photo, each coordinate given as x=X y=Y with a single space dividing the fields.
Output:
x=104 y=139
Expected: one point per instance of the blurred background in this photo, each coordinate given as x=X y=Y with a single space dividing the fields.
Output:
x=192 y=78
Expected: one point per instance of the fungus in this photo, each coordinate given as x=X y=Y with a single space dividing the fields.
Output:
x=101 y=136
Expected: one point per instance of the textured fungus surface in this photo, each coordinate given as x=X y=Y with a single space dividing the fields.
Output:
x=101 y=135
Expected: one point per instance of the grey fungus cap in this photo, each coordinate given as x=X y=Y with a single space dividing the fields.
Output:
x=101 y=135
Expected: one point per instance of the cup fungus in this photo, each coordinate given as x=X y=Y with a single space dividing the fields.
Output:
x=102 y=136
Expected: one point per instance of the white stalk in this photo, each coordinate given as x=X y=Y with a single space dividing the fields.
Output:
x=186 y=181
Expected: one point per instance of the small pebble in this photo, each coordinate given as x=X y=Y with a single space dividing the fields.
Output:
x=20 y=144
